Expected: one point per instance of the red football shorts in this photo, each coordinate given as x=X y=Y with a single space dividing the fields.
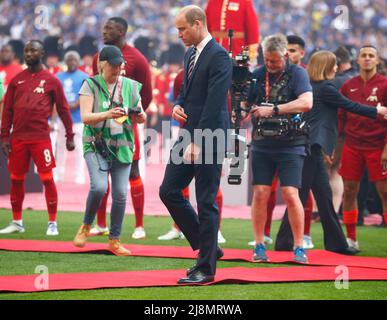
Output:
x=137 y=145
x=22 y=151
x=354 y=161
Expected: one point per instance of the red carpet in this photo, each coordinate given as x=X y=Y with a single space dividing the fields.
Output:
x=316 y=257
x=161 y=278
x=72 y=197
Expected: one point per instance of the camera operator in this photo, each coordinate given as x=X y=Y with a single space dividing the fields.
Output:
x=279 y=139
x=109 y=105
x=322 y=119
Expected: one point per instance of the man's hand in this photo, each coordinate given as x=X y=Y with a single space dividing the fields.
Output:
x=191 y=154
x=153 y=119
x=328 y=160
x=382 y=111
x=6 y=146
x=178 y=114
x=141 y=117
x=261 y=112
x=384 y=158
x=70 y=146
x=243 y=114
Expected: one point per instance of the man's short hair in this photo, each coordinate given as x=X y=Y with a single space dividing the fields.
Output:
x=275 y=43
x=121 y=21
x=72 y=53
x=342 y=55
x=193 y=13
x=293 y=39
x=368 y=46
x=9 y=46
x=37 y=41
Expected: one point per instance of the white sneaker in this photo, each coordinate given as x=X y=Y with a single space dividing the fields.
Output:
x=266 y=239
x=353 y=243
x=172 y=235
x=307 y=242
x=99 y=231
x=139 y=233
x=221 y=239
x=12 y=228
x=52 y=229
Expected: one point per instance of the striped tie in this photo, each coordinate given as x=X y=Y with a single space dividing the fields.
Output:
x=191 y=62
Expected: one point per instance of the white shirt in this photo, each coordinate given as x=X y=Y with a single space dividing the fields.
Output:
x=201 y=46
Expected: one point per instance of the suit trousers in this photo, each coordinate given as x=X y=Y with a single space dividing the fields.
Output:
x=315 y=178
x=200 y=228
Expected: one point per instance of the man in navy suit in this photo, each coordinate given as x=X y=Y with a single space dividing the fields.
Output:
x=201 y=108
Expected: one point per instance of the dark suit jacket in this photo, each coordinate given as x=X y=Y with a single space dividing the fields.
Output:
x=323 y=116
x=341 y=77
x=204 y=96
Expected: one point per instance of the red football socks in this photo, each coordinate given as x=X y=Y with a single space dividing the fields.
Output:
x=186 y=193
x=17 y=197
x=51 y=198
x=350 y=221
x=137 y=193
x=101 y=213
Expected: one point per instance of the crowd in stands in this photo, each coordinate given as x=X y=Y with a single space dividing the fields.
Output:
x=323 y=24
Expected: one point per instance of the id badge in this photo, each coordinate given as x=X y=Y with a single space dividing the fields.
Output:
x=121 y=120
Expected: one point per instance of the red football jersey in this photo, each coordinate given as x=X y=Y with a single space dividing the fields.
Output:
x=162 y=88
x=8 y=72
x=361 y=132
x=28 y=104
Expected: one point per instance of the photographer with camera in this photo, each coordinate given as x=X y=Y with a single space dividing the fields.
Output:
x=279 y=139
x=109 y=103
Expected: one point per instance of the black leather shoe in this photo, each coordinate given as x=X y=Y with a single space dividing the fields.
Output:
x=348 y=251
x=219 y=254
x=196 y=277
x=191 y=270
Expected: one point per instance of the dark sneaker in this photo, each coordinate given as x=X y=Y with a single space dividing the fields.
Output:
x=300 y=255
x=260 y=253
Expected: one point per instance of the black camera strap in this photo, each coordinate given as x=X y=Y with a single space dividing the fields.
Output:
x=271 y=94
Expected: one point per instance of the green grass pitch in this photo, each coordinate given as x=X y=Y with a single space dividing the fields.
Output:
x=373 y=242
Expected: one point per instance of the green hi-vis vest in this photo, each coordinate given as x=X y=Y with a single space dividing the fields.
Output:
x=119 y=138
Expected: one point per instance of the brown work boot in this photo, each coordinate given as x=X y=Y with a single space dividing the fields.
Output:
x=82 y=235
x=117 y=248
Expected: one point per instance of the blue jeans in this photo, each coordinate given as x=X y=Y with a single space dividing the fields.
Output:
x=98 y=186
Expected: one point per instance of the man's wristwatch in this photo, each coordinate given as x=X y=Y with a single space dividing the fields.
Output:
x=275 y=110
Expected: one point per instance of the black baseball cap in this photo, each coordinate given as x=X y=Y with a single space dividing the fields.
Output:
x=111 y=54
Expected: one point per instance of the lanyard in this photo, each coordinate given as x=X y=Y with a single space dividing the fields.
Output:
x=267 y=85
x=117 y=86
x=119 y=91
